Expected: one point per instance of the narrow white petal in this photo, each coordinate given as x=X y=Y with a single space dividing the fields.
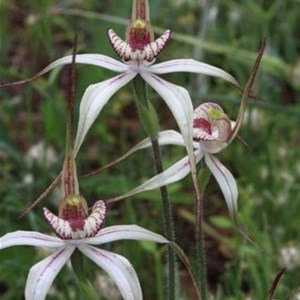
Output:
x=42 y=274
x=118 y=268
x=179 y=102
x=165 y=137
x=193 y=66
x=94 y=98
x=90 y=59
x=226 y=182
x=30 y=238
x=125 y=232
x=173 y=174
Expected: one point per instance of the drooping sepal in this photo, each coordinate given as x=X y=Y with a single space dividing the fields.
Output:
x=146 y=52
x=77 y=226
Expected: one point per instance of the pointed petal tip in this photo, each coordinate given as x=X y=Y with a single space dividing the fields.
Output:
x=226 y=182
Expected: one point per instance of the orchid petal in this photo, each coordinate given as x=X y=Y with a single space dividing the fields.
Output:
x=165 y=137
x=179 y=102
x=42 y=274
x=30 y=238
x=124 y=232
x=118 y=268
x=226 y=182
x=90 y=59
x=212 y=145
x=93 y=100
x=193 y=66
x=173 y=174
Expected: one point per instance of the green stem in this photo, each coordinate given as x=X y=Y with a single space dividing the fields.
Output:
x=78 y=267
x=150 y=122
x=168 y=222
x=201 y=255
x=204 y=177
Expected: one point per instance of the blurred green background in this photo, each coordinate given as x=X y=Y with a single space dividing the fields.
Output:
x=226 y=34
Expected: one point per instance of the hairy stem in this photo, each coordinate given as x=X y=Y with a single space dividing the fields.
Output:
x=149 y=120
x=200 y=253
x=85 y=285
x=168 y=221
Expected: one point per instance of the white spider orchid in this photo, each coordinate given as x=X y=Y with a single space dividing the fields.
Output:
x=138 y=54
x=76 y=231
x=212 y=132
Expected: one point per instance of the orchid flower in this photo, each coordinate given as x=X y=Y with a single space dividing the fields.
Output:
x=212 y=132
x=77 y=231
x=138 y=54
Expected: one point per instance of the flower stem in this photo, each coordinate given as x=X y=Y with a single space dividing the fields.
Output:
x=78 y=267
x=168 y=222
x=200 y=254
x=204 y=177
x=150 y=122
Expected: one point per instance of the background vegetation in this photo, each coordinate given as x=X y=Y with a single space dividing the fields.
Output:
x=223 y=33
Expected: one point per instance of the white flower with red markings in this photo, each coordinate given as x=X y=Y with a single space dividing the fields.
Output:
x=82 y=234
x=212 y=133
x=211 y=127
x=138 y=53
x=73 y=223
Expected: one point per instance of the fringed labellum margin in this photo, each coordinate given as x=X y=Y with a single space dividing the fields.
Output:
x=147 y=52
x=77 y=225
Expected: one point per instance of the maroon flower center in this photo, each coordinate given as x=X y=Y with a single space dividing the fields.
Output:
x=201 y=123
x=75 y=215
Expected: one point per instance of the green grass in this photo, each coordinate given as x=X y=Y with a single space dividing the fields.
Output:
x=34 y=33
